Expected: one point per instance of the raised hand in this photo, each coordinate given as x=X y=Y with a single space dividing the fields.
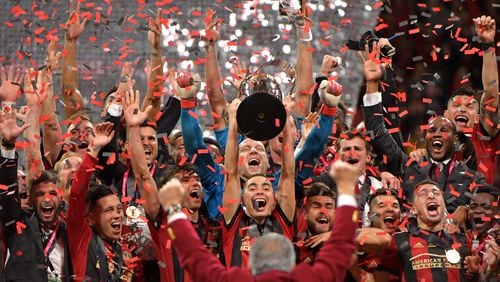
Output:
x=345 y=176
x=103 y=134
x=233 y=108
x=53 y=57
x=10 y=84
x=485 y=29
x=9 y=128
x=308 y=124
x=330 y=92
x=188 y=85
x=126 y=81
x=492 y=255
x=30 y=93
x=74 y=25
x=212 y=26
x=373 y=68
x=329 y=64
x=154 y=33
x=132 y=111
x=238 y=72
x=172 y=193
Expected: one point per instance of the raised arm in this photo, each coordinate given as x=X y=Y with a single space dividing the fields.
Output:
x=304 y=66
x=286 y=185
x=69 y=71
x=486 y=29
x=11 y=205
x=155 y=81
x=77 y=226
x=383 y=143
x=34 y=164
x=10 y=87
x=213 y=75
x=208 y=170
x=134 y=118
x=232 y=187
x=51 y=130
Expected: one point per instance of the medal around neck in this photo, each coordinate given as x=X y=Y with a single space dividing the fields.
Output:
x=452 y=256
x=133 y=212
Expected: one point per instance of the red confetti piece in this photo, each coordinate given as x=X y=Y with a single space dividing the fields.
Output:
x=413 y=31
x=19 y=227
x=222 y=209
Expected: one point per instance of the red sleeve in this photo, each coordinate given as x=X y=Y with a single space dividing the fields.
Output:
x=334 y=258
x=79 y=232
x=390 y=259
x=201 y=265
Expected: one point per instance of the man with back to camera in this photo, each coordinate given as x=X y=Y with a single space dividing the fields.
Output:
x=271 y=257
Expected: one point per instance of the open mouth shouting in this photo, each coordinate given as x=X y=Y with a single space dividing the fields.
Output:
x=253 y=164
x=432 y=209
x=389 y=221
x=195 y=194
x=436 y=147
x=47 y=210
x=461 y=120
x=116 y=227
x=147 y=151
x=323 y=220
x=259 y=204
x=352 y=160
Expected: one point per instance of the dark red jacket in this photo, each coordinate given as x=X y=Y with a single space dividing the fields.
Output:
x=331 y=263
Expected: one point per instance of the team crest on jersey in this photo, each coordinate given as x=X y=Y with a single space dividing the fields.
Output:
x=245 y=244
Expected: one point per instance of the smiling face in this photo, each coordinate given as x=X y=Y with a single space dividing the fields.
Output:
x=46 y=202
x=354 y=151
x=482 y=212
x=463 y=110
x=80 y=135
x=440 y=138
x=320 y=212
x=253 y=158
x=149 y=143
x=429 y=206
x=107 y=217
x=258 y=197
x=386 y=211
x=192 y=187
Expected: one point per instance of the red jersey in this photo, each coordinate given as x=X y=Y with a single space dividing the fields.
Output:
x=170 y=268
x=485 y=148
x=91 y=257
x=239 y=235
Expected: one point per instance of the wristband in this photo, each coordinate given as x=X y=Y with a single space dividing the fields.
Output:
x=115 y=110
x=173 y=209
x=8 y=145
x=328 y=111
x=302 y=34
x=188 y=103
x=487 y=46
